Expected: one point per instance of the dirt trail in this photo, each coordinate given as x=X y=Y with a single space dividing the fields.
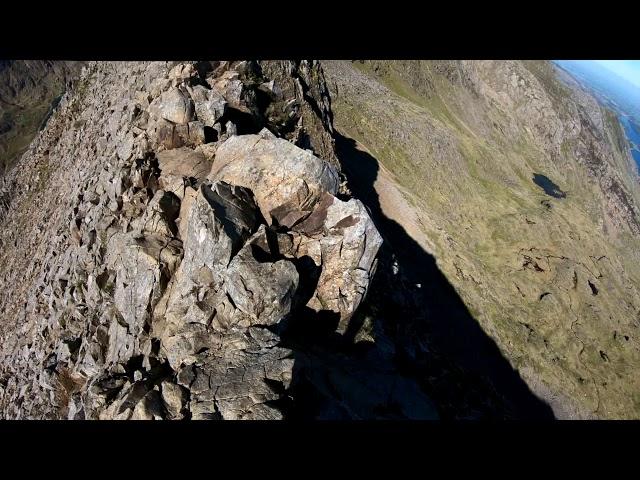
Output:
x=394 y=201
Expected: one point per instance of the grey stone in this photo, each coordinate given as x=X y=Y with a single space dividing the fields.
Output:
x=210 y=105
x=173 y=399
x=262 y=290
x=173 y=105
x=348 y=248
x=138 y=264
x=230 y=86
x=182 y=72
x=180 y=164
x=286 y=180
x=149 y=408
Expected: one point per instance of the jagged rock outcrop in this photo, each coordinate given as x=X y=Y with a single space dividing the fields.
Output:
x=182 y=220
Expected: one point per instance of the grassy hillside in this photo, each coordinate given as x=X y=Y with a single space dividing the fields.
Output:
x=29 y=90
x=552 y=280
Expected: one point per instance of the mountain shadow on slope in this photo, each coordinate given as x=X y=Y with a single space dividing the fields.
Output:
x=434 y=337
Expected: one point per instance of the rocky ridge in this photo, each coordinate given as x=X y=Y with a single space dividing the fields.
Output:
x=176 y=241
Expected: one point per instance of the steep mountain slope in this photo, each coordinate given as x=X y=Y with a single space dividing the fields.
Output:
x=29 y=90
x=523 y=191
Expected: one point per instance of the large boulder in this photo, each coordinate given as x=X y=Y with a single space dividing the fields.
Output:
x=174 y=105
x=140 y=265
x=221 y=218
x=229 y=286
x=341 y=238
x=261 y=288
x=286 y=180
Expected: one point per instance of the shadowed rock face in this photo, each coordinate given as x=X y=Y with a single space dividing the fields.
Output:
x=184 y=237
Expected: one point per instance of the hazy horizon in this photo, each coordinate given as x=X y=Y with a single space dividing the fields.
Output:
x=627 y=69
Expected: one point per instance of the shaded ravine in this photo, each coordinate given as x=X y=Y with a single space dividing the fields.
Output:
x=450 y=328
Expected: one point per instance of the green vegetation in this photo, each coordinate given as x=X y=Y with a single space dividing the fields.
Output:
x=466 y=162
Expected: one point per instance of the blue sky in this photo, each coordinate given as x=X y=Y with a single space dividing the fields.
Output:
x=627 y=69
